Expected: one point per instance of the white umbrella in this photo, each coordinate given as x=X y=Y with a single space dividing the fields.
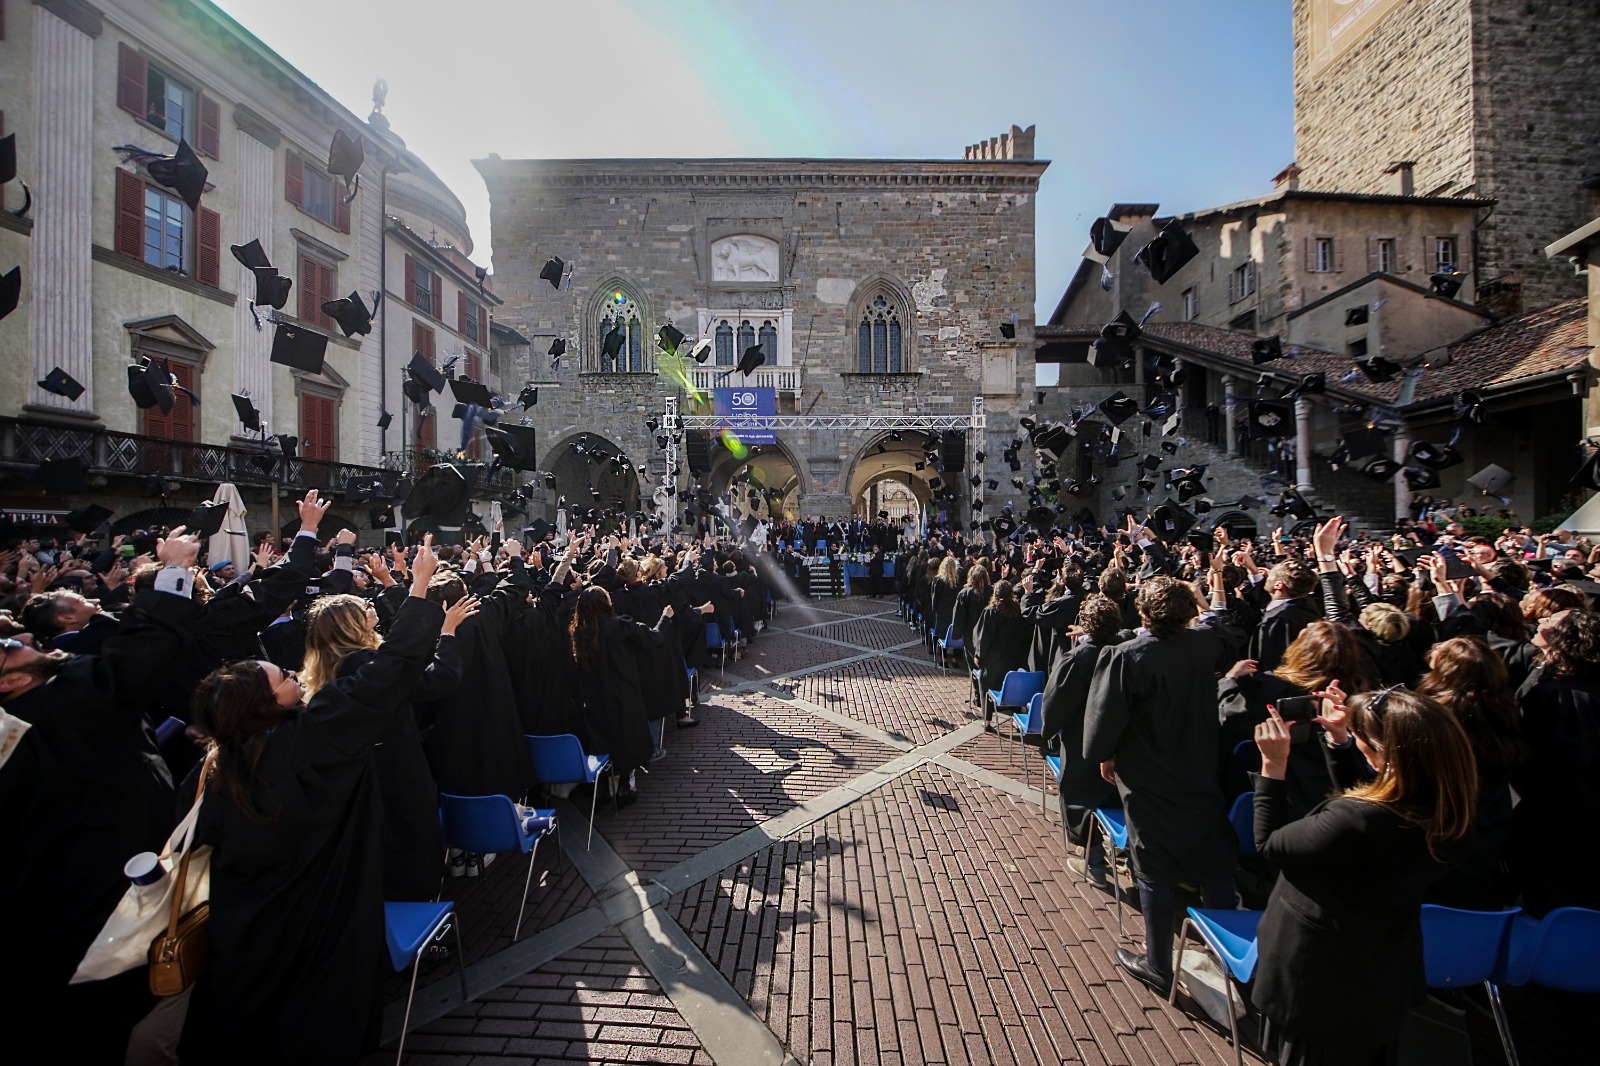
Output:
x=233 y=540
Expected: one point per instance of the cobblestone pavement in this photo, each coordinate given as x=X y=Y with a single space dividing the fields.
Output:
x=837 y=867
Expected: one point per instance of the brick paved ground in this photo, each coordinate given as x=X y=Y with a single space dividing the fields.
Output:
x=918 y=915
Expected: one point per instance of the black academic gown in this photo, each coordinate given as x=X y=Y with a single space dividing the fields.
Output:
x=1066 y=704
x=1241 y=706
x=662 y=673
x=943 y=600
x=543 y=677
x=1277 y=630
x=1002 y=643
x=615 y=717
x=1153 y=708
x=297 y=932
x=1556 y=832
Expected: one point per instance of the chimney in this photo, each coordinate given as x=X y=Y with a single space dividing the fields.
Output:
x=1288 y=179
x=1401 y=181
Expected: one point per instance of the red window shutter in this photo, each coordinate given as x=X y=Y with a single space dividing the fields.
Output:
x=208 y=131
x=294 y=179
x=341 y=210
x=318 y=428
x=422 y=340
x=208 y=248
x=1338 y=255
x=310 y=289
x=133 y=72
x=483 y=326
x=411 y=281
x=130 y=215
x=426 y=437
x=461 y=314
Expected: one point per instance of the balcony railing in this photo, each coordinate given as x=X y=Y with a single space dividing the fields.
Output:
x=416 y=460
x=781 y=378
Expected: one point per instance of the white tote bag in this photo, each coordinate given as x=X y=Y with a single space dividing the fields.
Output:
x=142 y=914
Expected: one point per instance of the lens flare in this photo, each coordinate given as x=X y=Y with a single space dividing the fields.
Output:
x=736 y=447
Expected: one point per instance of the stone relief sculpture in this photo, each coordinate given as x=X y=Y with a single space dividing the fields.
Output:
x=746 y=258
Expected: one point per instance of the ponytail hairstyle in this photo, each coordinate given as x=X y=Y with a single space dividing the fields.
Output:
x=594 y=607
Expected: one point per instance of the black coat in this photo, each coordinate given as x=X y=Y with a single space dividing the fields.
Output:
x=544 y=678
x=1153 y=708
x=1066 y=705
x=297 y=942
x=1241 y=706
x=615 y=716
x=1277 y=630
x=1341 y=942
x=1002 y=646
x=663 y=674
x=1557 y=824
x=943 y=602
x=969 y=607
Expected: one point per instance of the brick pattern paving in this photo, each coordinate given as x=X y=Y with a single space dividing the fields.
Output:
x=595 y=1004
x=907 y=701
x=487 y=905
x=933 y=922
x=780 y=653
x=875 y=633
x=752 y=757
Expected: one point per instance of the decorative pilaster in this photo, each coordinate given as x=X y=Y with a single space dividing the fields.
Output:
x=60 y=266
x=252 y=370
x=1302 y=444
x=1402 y=491
x=1230 y=417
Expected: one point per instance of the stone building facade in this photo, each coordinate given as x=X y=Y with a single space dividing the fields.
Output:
x=874 y=287
x=1481 y=97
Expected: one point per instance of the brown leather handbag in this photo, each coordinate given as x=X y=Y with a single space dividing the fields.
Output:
x=178 y=956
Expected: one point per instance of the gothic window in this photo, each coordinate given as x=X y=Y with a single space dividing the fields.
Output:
x=725 y=353
x=621 y=314
x=878 y=339
x=747 y=337
x=635 y=345
x=769 y=342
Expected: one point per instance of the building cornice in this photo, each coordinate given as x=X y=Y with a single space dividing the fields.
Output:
x=755 y=175
x=257 y=126
x=463 y=280
x=84 y=16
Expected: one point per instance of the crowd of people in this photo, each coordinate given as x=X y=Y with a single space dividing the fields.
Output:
x=328 y=695
x=1417 y=716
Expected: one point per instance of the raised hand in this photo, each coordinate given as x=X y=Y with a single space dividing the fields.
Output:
x=459 y=612
x=1272 y=738
x=1334 y=718
x=178 y=548
x=423 y=566
x=312 y=508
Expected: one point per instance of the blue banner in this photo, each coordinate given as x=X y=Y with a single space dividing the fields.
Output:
x=738 y=405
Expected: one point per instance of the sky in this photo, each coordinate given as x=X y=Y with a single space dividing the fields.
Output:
x=1185 y=103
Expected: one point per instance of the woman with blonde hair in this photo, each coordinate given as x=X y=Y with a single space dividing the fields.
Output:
x=341 y=638
x=1390 y=637
x=946 y=586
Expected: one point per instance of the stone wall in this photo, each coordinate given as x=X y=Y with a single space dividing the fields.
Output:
x=951 y=243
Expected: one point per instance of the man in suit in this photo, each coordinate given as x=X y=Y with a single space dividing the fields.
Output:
x=1284 y=597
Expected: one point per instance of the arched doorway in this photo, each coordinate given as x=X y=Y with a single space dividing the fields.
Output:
x=763 y=483
x=891 y=460
x=592 y=472
x=1239 y=524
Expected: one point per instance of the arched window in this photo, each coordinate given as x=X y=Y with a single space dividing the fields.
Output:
x=635 y=345
x=725 y=354
x=620 y=311
x=747 y=338
x=879 y=346
x=769 y=342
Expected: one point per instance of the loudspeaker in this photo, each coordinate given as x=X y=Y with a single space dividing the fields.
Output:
x=953 y=449
x=697 y=448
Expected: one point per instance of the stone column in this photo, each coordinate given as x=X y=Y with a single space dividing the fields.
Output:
x=1402 y=491
x=1230 y=417
x=253 y=165
x=60 y=270
x=1302 y=444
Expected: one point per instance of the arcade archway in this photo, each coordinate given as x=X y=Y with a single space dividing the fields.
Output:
x=763 y=483
x=593 y=472
x=887 y=471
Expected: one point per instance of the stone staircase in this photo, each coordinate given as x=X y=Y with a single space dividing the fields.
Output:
x=1365 y=504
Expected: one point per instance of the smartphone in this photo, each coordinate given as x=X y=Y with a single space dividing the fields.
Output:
x=1455 y=567
x=1297 y=708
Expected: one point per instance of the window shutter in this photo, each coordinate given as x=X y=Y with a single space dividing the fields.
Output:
x=422 y=340
x=208 y=248
x=1429 y=262
x=1338 y=255
x=461 y=314
x=294 y=179
x=130 y=215
x=1232 y=275
x=133 y=71
x=310 y=288
x=1464 y=254
x=341 y=210
x=208 y=132
x=411 y=281
x=1311 y=254
x=483 y=326
x=1372 y=255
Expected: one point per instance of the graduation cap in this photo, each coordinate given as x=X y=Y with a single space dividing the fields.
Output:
x=1146 y=484
x=1360 y=443
x=1588 y=474
x=1468 y=406
x=1115 y=340
x=1167 y=252
x=1491 y=479
x=87 y=519
x=384 y=418
x=288 y=443
x=468 y=391
x=1171 y=520
x=1377 y=369
x=1379 y=468
x=553 y=271
x=514 y=446
x=1290 y=502
x=1041 y=518
x=298 y=347
x=424 y=373
x=558 y=348
x=381 y=518
x=701 y=350
x=415 y=391
x=1271 y=418
x=1188 y=488
x=272 y=288
x=441 y=492
x=351 y=314
x=1008 y=329
x=248 y=415
x=1171 y=424
x=10 y=290
x=1119 y=407
x=1170 y=447
x=1053 y=441
x=60 y=383
x=528 y=397
x=345 y=156
x=150 y=385
x=1445 y=284
x=1266 y=350
x=1420 y=478
x=1434 y=456
x=1004 y=526
x=1151 y=462
x=537 y=530
x=1105 y=237
x=181 y=172
x=669 y=337
x=615 y=338
x=8 y=158
x=206 y=520
x=752 y=358
x=1311 y=385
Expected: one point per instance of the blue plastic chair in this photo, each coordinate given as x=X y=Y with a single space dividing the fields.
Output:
x=948 y=643
x=1231 y=936
x=1245 y=760
x=1242 y=816
x=408 y=929
x=169 y=730
x=1464 y=948
x=715 y=643
x=694 y=687
x=1016 y=690
x=1113 y=825
x=1056 y=762
x=561 y=760
x=1030 y=723
x=486 y=824
x=1561 y=951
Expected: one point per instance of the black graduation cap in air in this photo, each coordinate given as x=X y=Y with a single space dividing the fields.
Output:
x=1271 y=418
x=553 y=271
x=384 y=418
x=514 y=446
x=60 y=383
x=62 y=475
x=701 y=350
x=150 y=384
x=441 y=492
x=345 y=156
x=753 y=357
x=1588 y=474
x=669 y=337
x=558 y=348
x=10 y=290
x=381 y=517
x=298 y=347
x=1311 y=385
x=206 y=520
x=1360 y=443
x=1115 y=340
x=1008 y=329
x=1379 y=468
x=87 y=519
x=288 y=443
x=613 y=342
x=415 y=391
x=1291 y=503
x=1171 y=520
x=423 y=372
x=249 y=417
x=1445 y=284
x=1377 y=369
x=1266 y=350
x=1105 y=237
x=181 y=172
x=1468 y=406
x=351 y=313
x=1053 y=440
x=8 y=158
x=1434 y=456
x=1419 y=479
x=528 y=397
x=468 y=391
x=1167 y=252
x=1119 y=407
x=1004 y=526
x=272 y=288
